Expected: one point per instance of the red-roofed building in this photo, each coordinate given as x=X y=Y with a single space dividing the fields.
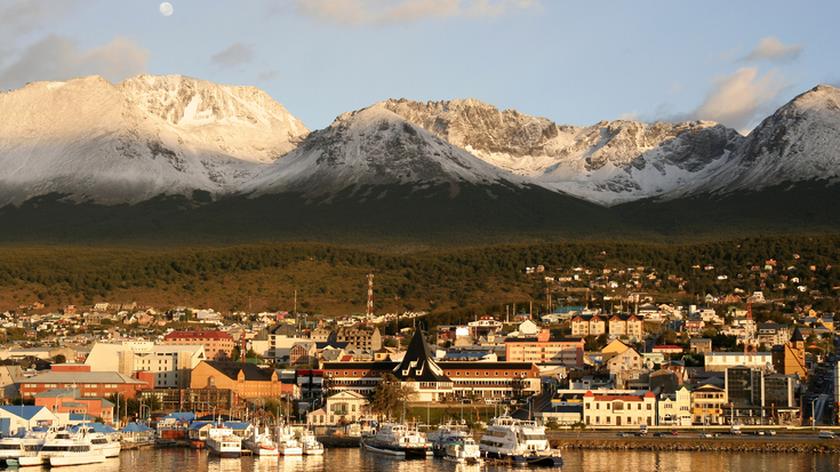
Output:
x=609 y=410
x=218 y=345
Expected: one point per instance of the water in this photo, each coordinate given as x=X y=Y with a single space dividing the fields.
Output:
x=352 y=460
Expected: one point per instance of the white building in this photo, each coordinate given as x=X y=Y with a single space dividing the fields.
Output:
x=675 y=409
x=600 y=410
x=14 y=418
x=170 y=363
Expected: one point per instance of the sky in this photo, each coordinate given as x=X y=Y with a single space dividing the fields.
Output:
x=575 y=62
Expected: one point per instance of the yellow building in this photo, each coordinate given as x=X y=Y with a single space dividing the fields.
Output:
x=707 y=403
x=789 y=358
x=245 y=380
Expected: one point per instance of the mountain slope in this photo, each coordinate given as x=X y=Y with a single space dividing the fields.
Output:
x=90 y=140
x=374 y=147
x=608 y=163
x=799 y=143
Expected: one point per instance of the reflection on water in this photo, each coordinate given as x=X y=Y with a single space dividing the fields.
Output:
x=352 y=460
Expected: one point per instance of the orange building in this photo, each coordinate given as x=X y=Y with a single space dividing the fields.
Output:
x=218 y=345
x=89 y=384
x=71 y=401
x=789 y=358
x=247 y=381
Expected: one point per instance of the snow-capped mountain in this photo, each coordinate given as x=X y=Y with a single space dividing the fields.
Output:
x=90 y=140
x=800 y=142
x=374 y=147
x=609 y=163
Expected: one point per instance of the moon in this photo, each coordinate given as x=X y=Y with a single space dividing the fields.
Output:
x=166 y=9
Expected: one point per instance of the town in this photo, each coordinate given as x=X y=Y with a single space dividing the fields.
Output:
x=606 y=348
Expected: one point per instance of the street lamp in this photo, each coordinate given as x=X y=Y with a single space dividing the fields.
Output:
x=813 y=415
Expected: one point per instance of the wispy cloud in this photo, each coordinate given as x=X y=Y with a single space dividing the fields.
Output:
x=368 y=12
x=58 y=58
x=737 y=100
x=234 y=55
x=774 y=50
x=21 y=17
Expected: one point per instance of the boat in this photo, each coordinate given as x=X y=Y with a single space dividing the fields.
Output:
x=13 y=447
x=260 y=443
x=287 y=443
x=520 y=442
x=438 y=437
x=223 y=443
x=64 y=448
x=397 y=440
x=101 y=441
x=311 y=445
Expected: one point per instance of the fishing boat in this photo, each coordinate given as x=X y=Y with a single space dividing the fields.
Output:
x=260 y=443
x=223 y=443
x=287 y=443
x=397 y=440
x=311 y=445
x=520 y=442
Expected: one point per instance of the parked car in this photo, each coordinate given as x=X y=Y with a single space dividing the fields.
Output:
x=826 y=435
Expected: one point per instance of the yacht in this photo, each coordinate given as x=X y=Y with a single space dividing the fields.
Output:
x=287 y=443
x=12 y=447
x=521 y=442
x=397 y=440
x=261 y=444
x=311 y=445
x=444 y=432
x=102 y=442
x=223 y=443
x=64 y=449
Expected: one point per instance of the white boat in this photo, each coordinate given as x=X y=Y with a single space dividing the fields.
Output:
x=311 y=445
x=521 y=442
x=287 y=443
x=397 y=440
x=260 y=443
x=63 y=449
x=13 y=447
x=223 y=443
x=102 y=442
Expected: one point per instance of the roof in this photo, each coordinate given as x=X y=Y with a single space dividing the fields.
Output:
x=797 y=336
x=96 y=427
x=418 y=364
x=231 y=369
x=533 y=339
x=136 y=428
x=183 y=416
x=59 y=393
x=26 y=412
x=237 y=425
x=80 y=377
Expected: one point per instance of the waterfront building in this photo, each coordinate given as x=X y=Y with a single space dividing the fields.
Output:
x=674 y=409
x=707 y=404
x=90 y=384
x=17 y=418
x=70 y=401
x=246 y=381
x=607 y=410
x=437 y=381
x=339 y=408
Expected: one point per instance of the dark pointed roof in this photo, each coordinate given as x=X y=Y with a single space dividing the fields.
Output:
x=797 y=336
x=418 y=364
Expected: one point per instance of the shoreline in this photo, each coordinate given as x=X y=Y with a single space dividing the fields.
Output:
x=695 y=444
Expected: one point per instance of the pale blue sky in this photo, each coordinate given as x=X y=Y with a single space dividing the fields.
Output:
x=573 y=62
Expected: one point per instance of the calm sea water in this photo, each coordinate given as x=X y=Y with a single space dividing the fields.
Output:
x=351 y=460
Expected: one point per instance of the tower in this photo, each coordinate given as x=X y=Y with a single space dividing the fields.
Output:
x=370 y=295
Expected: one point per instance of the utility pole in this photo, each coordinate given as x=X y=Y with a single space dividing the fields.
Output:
x=370 y=295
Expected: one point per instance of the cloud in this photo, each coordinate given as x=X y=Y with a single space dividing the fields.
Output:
x=21 y=17
x=234 y=55
x=772 y=49
x=736 y=100
x=59 y=58
x=367 y=12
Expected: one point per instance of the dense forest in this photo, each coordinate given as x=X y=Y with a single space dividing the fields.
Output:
x=331 y=279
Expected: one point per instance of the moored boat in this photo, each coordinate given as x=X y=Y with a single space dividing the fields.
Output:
x=287 y=443
x=311 y=445
x=397 y=440
x=520 y=442
x=223 y=443
x=260 y=443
